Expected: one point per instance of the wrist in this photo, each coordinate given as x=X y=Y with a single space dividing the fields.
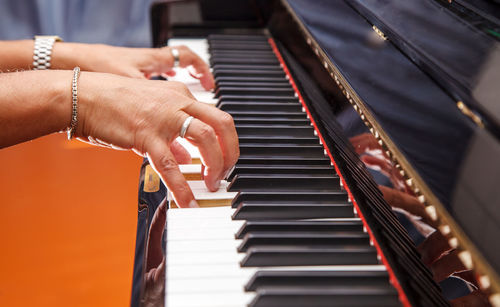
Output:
x=67 y=56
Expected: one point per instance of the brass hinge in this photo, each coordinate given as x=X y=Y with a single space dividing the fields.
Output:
x=379 y=33
x=468 y=112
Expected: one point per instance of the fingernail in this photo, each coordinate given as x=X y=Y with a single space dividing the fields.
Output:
x=193 y=204
x=217 y=184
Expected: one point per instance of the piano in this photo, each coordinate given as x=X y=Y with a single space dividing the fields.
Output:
x=370 y=157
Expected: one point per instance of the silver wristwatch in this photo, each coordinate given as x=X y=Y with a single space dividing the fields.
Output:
x=42 y=52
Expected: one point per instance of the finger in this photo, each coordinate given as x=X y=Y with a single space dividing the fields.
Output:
x=201 y=69
x=372 y=161
x=475 y=299
x=433 y=247
x=181 y=154
x=363 y=142
x=206 y=79
x=447 y=265
x=203 y=136
x=223 y=125
x=163 y=161
x=406 y=202
x=171 y=73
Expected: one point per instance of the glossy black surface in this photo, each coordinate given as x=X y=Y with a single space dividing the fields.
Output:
x=416 y=113
x=462 y=59
x=443 y=145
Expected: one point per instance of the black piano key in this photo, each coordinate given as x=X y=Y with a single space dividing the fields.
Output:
x=276 y=182
x=280 y=150
x=227 y=60
x=294 y=147
x=248 y=73
x=305 y=279
x=282 y=84
x=243 y=37
x=292 y=226
x=254 y=91
x=309 y=240
x=276 y=132
x=270 y=121
x=271 y=108
x=287 y=140
x=257 y=99
x=241 y=54
x=288 y=197
x=326 y=297
x=234 y=46
x=246 y=66
x=283 y=161
x=279 y=211
x=212 y=41
x=298 y=256
x=250 y=79
x=268 y=115
x=279 y=170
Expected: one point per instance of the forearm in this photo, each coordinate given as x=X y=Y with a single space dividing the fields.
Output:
x=18 y=55
x=33 y=104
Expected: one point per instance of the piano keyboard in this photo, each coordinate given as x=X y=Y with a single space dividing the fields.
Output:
x=290 y=236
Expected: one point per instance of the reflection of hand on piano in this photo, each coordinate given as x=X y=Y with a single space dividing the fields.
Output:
x=409 y=203
x=155 y=259
x=372 y=154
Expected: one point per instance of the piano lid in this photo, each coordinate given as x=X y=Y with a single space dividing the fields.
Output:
x=450 y=163
x=464 y=60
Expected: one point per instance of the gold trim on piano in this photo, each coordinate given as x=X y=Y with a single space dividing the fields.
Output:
x=468 y=112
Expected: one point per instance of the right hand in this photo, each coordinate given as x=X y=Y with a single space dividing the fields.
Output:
x=146 y=116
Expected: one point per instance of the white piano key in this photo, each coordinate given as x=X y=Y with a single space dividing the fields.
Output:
x=192 y=213
x=203 y=235
x=185 y=246
x=191 y=171
x=182 y=225
x=206 y=198
x=234 y=270
x=204 y=258
x=219 y=299
x=210 y=284
x=190 y=271
x=191 y=149
x=227 y=225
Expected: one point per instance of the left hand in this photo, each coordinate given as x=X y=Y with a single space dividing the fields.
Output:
x=141 y=63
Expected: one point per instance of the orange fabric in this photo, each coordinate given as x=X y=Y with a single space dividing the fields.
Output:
x=68 y=214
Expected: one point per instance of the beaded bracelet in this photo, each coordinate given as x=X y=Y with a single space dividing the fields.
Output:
x=74 y=99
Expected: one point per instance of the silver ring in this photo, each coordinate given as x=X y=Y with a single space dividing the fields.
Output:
x=185 y=126
x=175 y=54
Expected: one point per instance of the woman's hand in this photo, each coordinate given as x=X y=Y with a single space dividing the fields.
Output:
x=141 y=63
x=143 y=115
x=146 y=116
